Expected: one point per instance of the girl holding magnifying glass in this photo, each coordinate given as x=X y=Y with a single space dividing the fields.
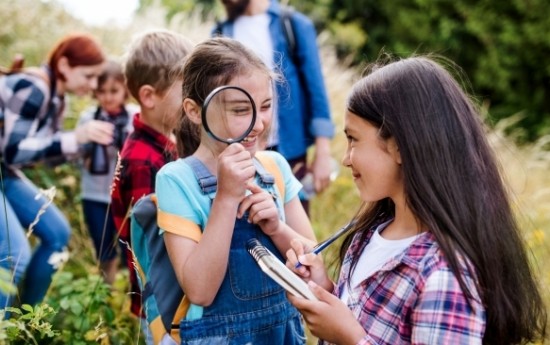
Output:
x=212 y=202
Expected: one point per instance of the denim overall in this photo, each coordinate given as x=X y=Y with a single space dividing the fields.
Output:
x=250 y=308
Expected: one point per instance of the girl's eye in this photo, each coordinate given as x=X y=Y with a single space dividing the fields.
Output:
x=265 y=107
x=240 y=111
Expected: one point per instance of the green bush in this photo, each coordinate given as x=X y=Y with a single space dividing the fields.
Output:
x=88 y=311
x=27 y=325
x=502 y=46
x=77 y=310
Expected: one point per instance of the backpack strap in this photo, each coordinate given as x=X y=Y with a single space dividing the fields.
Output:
x=288 y=31
x=143 y=215
x=218 y=31
x=265 y=177
x=270 y=165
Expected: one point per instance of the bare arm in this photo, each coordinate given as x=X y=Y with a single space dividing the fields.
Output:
x=320 y=166
x=200 y=267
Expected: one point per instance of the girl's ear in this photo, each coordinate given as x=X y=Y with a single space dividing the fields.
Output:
x=146 y=96
x=192 y=111
x=393 y=149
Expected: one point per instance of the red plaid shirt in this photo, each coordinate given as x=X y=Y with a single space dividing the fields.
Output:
x=144 y=153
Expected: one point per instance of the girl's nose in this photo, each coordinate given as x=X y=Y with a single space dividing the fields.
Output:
x=261 y=122
x=345 y=160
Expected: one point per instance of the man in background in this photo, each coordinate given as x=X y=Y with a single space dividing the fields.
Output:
x=302 y=107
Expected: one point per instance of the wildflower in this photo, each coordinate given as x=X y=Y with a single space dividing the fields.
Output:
x=116 y=176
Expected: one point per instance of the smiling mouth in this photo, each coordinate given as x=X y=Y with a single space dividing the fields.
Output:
x=249 y=139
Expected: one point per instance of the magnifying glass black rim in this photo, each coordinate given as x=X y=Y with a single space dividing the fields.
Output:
x=205 y=107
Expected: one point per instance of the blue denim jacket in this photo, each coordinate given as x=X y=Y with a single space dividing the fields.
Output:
x=303 y=111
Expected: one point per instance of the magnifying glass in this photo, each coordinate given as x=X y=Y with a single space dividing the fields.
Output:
x=228 y=114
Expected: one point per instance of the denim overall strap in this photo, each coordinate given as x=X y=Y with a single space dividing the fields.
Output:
x=206 y=180
x=249 y=308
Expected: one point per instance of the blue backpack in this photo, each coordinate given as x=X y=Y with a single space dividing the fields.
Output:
x=162 y=297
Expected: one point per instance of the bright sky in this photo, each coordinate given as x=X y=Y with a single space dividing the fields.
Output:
x=98 y=12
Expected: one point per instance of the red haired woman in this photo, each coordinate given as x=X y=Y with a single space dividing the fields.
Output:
x=31 y=111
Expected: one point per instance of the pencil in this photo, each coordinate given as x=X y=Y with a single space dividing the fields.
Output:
x=322 y=245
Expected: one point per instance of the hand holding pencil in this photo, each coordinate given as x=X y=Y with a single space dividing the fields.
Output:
x=312 y=269
x=322 y=245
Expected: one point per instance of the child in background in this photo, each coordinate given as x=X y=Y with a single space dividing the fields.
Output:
x=156 y=87
x=435 y=255
x=111 y=95
x=207 y=225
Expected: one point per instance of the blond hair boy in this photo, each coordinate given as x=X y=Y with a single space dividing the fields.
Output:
x=154 y=82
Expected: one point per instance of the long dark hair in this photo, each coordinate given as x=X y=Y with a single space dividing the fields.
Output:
x=214 y=62
x=453 y=185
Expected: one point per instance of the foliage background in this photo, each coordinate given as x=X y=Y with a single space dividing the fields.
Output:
x=502 y=46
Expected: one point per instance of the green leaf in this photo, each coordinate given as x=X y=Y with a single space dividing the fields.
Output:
x=76 y=308
x=27 y=307
x=65 y=303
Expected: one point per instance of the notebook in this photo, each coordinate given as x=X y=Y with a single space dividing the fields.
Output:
x=274 y=268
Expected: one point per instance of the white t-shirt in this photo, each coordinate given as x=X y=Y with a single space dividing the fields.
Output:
x=253 y=32
x=377 y=252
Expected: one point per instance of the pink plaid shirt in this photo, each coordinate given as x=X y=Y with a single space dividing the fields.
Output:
x=415 y=298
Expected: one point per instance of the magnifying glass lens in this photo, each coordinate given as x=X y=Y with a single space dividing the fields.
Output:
x=229 y=114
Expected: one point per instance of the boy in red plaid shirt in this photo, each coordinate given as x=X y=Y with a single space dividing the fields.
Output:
x=152 y=81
